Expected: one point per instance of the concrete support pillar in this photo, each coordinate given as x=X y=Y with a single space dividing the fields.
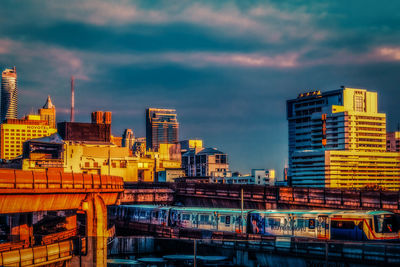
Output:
x=96 y=231
x=21 y=228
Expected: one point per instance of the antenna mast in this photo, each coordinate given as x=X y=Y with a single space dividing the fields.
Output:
x=72 y=118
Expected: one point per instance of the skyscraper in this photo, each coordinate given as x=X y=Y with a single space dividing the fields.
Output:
x=9 y=94
x=162 y=127
x=338 y=139
x=48 y=113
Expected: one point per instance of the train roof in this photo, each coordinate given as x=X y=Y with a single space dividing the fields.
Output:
x=327 y=212
x=146 y=206
x=210 y=209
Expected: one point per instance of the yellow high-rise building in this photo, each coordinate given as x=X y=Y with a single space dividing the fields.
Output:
x=338 y=139
x=14 y=132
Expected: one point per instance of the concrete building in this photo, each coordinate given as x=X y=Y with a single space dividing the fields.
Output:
x=162 y=127
x=82 y=131
x=48 y=113
x=257 y=177
x=234 y=179
x=14 y=132
x=338 y=139
x=86 y=148
x=100 y=117
x=128 y=138
x=169 y=175
x=191 y=144
x=9 y=94
x=393 y=142
x=206 y=162
x=263 y=176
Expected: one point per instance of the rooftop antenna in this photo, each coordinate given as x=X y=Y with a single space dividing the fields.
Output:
x=72 y=118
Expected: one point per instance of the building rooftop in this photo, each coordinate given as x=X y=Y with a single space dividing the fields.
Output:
x=209 y=151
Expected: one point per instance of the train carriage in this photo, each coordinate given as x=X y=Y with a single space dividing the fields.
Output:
x=317 y=224
x=326 y=224
x=209 y=219
x=302 y=223
x=364 y=225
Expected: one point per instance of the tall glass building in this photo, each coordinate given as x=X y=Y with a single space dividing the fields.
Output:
x=162 y=127
x=9 y=94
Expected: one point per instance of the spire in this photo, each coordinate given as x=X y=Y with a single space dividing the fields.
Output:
x=48 y=104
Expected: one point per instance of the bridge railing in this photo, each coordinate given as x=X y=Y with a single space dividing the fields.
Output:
x=37 y=255
x=147 y=185
x=318 y=197
x=18 y=179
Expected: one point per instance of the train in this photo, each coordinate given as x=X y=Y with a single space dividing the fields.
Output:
x=314 y=224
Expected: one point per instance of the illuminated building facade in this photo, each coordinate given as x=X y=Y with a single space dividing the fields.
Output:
x=86 y=148
x=162 y=127
x=206 y=162
x=14 y=132
x=338 y=139
x=128 y=138
x=393 y=142
x=9 y=94
x=187 y=145
x=48 y=113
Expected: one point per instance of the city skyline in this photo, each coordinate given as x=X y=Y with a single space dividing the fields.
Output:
x=228 y=67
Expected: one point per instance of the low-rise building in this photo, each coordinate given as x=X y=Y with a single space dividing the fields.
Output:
x=93 y=154
x=263 y=176
x=257 y=176
x=206 y=162
x=169 y=175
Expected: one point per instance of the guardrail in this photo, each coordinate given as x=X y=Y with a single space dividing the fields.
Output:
x=40 y=255
x=294 y=196
x=18 y=179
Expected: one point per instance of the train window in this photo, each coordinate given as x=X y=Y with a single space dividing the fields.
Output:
x=222 y=219
x=385 y=224
x=185 y=217
x=204 y=218
x=274 y=222
x=228 y=220
x=300 y=223
x=343 y=224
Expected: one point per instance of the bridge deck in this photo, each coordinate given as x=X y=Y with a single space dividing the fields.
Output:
x=30 y=191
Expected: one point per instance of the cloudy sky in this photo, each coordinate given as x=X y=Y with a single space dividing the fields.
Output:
x=227 y=67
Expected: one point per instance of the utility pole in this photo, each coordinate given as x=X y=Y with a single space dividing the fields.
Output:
x=241 y=209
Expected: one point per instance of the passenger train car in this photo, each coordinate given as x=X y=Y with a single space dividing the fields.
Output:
x=326 y=224
x=316 y=224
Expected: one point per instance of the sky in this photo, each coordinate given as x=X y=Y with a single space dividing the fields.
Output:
x=227 y=67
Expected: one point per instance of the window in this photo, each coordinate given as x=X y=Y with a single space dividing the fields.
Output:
x=343 y=224
x=204 y=218
x=359 y=103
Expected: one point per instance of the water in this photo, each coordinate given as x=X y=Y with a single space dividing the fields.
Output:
x=150 y=251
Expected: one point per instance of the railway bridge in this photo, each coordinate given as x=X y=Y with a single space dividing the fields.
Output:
x=24 y=192
x=259 y=197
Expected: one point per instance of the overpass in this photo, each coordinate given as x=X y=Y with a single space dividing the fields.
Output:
x=30 y=191
x=259 y=197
